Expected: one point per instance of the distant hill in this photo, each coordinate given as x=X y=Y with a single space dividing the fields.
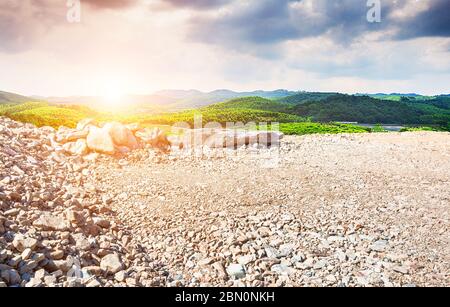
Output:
x=9 y=98
x=365 y=109
x=172 y=100
x=304 y=96
x=252 y=103
x=195 y=99
x=397 y=96
x=331 y=107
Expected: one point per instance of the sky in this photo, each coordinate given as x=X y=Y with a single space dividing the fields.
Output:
x=141 y=46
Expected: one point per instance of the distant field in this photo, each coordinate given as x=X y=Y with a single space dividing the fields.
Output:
x=44 y=114
x=318 y=128
x=399 y=97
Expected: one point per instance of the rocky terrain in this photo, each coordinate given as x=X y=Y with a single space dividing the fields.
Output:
x=330 y=210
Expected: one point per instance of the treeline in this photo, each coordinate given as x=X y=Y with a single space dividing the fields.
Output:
x=301 y=107
x=331 y=107
x=364 y=109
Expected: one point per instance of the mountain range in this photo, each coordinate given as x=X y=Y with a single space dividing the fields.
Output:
x=170 y=100
x=6 y=97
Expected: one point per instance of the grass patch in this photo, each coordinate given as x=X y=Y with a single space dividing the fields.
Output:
x=378 y=128
x=43 y=114
x=418 y=129
x=319 y=128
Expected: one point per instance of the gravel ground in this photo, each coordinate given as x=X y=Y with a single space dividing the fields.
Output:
x=339 y=210
x=320 y=210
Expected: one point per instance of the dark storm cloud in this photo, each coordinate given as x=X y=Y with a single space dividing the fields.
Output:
x=272 y=21
x=433 y=22
x=255 y=25
x=263 y=21
x=267 y=22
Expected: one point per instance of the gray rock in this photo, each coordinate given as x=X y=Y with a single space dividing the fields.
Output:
x=401 y=269
x=236 y=271
x=283 y=269
x=320 y=265
x=50 y=280
x=111 y=264
x=81 y=242
x=48 y=221
x=14 y=277
x=379 y=246
x=94 y=283
x=120 y=276
x=285 y=250
x=21 y=243
x=272 y=252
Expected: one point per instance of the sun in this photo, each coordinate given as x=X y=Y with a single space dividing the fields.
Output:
x=112 y=96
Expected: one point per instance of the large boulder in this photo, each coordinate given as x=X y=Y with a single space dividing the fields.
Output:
x=236 y=138
x=222 y=139
x=154 y=137
x=99 y=140
x=65 y=135
x=134 y=127
x=121 y=135
x=199 y=137
x=86 y=123
x=78 y=148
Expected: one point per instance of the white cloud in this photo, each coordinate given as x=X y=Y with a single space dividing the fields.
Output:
x=146 y=50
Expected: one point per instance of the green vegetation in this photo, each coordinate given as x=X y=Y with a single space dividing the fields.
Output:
x=305 y=96
x=251 y=103
x=399 y=97
x=302 y=113
x=364 y=109
x=378 y=128
x=8 y=109
x=44 y=114
x=221 y=116
x=416 y=129
x=317 y=128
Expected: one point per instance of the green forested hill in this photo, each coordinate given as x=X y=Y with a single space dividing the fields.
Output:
x=305 y=96
x=301 y=107
x=329 y=107
x=253 y=103
x=364 y=109
x=361 y=109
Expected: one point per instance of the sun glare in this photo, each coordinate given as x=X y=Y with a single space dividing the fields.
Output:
x=112 y=96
